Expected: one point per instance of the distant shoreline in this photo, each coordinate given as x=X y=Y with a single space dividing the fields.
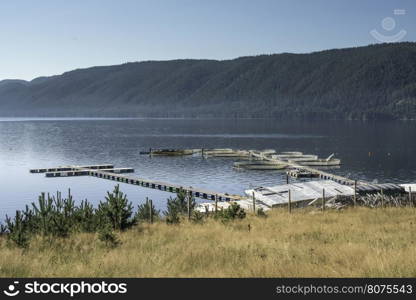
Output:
x=5 y=119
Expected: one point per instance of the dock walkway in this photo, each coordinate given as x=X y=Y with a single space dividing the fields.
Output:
x=110 y=173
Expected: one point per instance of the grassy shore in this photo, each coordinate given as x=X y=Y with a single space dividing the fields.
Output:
x=354 y=242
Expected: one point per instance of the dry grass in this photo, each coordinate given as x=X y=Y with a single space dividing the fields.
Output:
x=356 y=242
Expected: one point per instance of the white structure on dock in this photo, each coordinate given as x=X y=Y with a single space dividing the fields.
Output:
x=310 y=192
x=267 y=198
x=246 y=204
x=409 y=187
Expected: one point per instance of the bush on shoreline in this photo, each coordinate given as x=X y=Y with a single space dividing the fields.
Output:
x=55 y=216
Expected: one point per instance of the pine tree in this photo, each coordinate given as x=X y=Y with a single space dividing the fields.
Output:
x=18 y=230
x=143 y=211
x=116 y=210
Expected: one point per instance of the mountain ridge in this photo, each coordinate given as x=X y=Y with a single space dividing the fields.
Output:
x=371 y=82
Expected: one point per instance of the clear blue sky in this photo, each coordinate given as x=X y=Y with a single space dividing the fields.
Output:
x=47 y=37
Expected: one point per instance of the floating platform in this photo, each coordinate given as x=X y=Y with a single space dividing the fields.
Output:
x=68 y=173
x=171 y=152
x=295 y=157
x=71 y=168
x=259 y=165
x=227 y=153
x=86 y=172
x=296 y=173
x=110 y=173
x=322 y=174
x=318 y=162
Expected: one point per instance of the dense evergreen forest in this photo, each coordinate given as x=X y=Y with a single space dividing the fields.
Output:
x=371 y=82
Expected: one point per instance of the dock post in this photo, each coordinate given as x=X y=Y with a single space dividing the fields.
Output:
x=289 y=203
x=410 y=196
x=202 y=152
x=355 y=193
x=287 y=178
x=189 y=205
x=323 y=199
x=216 y=203
x=254 y=203
x=150 y=211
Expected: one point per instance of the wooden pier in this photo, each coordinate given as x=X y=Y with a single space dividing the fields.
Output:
x=110 y=173
x=107 y=171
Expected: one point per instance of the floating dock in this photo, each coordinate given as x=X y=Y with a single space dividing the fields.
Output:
x=71 y=168
x=110 y=173
x=295 y=173
x=86 y=171
x=107 y=171
x=319 y=173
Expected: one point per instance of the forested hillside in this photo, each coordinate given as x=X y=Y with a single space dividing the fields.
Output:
x=372 y=82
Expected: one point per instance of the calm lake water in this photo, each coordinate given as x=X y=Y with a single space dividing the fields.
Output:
x=381 y=151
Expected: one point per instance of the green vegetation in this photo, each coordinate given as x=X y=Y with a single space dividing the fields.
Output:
x=57 y=217
x=356 y=242
x=372 y=82
x=144 y=211
x=113 y=241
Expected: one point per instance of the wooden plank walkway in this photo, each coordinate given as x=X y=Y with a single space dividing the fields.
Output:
x=165 y=186
x=101 y=171
x=321 y=174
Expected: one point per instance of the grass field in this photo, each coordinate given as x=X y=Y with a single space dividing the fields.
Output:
x=355 y=242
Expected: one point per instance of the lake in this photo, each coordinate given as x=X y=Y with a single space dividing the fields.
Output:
x=373 y=151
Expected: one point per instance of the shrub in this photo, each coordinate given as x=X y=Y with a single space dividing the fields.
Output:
x=3 y=229
x=18 y=230
x=178 y=206
x=172 y=213
x=234 y=211
x=52 y=215
x=197 y=217
x=42 y=214
x=63 y=215
x=86 y=217
x=143 y=212
x=261 y=213
x=181 y=201
x=108 y=237
x=116 y=210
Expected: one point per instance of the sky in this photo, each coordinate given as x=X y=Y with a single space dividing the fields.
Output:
x=49 y=37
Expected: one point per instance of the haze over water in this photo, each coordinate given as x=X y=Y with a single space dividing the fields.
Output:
x=381 y=151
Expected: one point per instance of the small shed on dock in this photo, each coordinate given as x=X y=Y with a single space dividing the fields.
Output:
x=300 y=192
